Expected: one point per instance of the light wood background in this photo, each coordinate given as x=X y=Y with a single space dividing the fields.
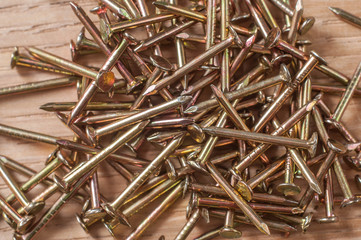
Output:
x=50 y=24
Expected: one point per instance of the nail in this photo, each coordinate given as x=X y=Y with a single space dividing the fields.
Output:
x=259 y=207
x=224 y=32
x=106 y=117
x=288 y=188
x=140 y=22
x=64 y=198
x=297 y=116
x=103 y=83
x=122 y=158
x=195 y=63
x=155 y=39
x=346 y=16
x=95 y=211
x=346 y=97
x=145 y=114
x=301 y=165
x=162 y=65
x=273 y=39
x=274 y=225
x=237 y=198
x=235 y=94
x=75 y=174
x=228 y=230
x=330 y=216
x=258 y=197
x=349 y=197
x=19 y=60
x=23 y=224
x=111 y=208
x=76 y=53
x=25 y=134
x=38 y=86
x=167 y=202
x=338 y=90
x=310 y=145
x=106 y=78
x=280 y=100
x=92 y=106
x=239 y=59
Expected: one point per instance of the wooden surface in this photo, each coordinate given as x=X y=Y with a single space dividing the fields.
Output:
x=50 y=24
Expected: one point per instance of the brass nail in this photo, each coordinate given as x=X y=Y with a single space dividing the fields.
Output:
x=111 y=208
x=20 y=60
x=145 y=114
x=75 y=174
x=346 y=16
x=236 y=197
x=22 y=223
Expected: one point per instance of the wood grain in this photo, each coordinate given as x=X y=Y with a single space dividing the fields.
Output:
x=50 y=24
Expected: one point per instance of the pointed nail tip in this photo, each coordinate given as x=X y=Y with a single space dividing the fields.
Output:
x=149 y=90
x=190 y=110
x=265 y=229
x=316 y=188
x=73 y=5
x=332 y=9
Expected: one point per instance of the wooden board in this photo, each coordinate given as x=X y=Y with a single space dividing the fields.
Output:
x=50 y=24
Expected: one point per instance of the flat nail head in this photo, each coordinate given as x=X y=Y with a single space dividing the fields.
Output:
x=105 y=80
x=230 y=233
x=313 y=142
x=60 y=183
x=161 y=62
x=327 y=219
x=244 y=190
x=196 y=132
x=320 y=59
x=272 y=38
x=34 y=207
x=25 y=224
x=14 y=57
x=288 y=189
x=306 y=25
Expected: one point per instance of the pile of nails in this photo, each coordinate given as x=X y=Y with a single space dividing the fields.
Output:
x=242 y=116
